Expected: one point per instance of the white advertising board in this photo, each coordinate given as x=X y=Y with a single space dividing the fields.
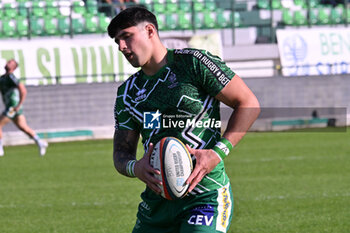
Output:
x=85 y=59
x=320 y=51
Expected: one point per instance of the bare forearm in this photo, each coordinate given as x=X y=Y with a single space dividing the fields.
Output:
x=125 y=146
x=240 y=121
x=120 y=161
x=246 y=108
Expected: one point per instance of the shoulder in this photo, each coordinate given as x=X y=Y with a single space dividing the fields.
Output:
x=10 y=79
x=13 y=79
x=128 y=84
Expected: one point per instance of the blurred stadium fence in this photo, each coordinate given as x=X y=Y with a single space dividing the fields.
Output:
x=36 y=18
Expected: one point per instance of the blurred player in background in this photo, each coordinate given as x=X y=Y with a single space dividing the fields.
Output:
x=13 y=95
x=187 y=82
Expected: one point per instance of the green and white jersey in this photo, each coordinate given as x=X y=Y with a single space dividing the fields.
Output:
x=178 y=101
x=9 y=90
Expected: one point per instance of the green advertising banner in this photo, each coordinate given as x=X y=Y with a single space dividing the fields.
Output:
x=66 y=61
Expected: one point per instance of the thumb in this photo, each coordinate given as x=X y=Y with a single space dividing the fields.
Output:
x=191 y=150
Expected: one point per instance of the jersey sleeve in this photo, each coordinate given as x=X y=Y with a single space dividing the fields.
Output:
x=122 y=116
x=212 y=74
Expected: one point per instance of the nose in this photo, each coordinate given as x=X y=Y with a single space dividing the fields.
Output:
x=122 y=45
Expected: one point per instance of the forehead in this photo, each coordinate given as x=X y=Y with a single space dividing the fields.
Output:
x=12 y=62
x=132 y=29
x=126 y=30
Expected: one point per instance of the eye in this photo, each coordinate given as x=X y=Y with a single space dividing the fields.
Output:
x=127 y=36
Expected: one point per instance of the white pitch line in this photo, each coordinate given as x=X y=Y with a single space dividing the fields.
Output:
x=44 y=205
x=282 y=197
x=291 y=158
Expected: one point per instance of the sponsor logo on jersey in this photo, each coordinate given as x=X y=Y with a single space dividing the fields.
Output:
x=141 y=94
x=145 y=206
x=202 y=215
x=172 y=80
x=226 y=206
x=207 y=62
x=214 y=69
x=223 y=147
x=184 y=51
x=151 y=120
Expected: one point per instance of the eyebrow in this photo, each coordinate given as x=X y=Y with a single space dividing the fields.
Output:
x=116 y=39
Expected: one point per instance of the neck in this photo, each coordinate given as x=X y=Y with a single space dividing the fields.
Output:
x=157 y=61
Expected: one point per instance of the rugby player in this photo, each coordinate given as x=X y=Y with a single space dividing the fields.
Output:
x=180 y=82
x=13 y=95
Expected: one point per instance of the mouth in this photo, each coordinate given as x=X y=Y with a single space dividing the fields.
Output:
x=128 y=55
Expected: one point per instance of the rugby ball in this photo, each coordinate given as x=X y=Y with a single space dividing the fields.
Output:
x=171 y=157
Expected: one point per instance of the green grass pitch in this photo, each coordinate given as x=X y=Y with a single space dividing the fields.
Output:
x=282 y=182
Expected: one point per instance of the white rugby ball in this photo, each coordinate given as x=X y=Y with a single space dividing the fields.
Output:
x=171 y=157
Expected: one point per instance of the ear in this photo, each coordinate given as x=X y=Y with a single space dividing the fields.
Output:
x=151 y=30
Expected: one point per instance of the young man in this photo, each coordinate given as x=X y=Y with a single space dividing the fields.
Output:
x=189 y=84
x=13 y=95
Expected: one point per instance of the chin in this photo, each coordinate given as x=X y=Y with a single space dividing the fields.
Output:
x=135 y=64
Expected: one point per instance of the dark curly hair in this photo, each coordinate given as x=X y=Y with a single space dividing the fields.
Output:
x=131 y=17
